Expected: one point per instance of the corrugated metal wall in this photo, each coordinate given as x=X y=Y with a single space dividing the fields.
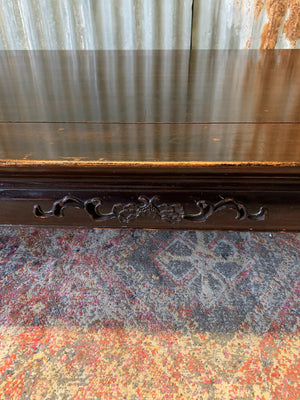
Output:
x=149 y=24
x=95 y=24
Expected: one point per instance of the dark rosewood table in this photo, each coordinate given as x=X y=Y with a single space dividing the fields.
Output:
x=151 y=139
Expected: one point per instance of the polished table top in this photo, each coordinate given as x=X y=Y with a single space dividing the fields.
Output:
x=139 y=107
x=150 y=139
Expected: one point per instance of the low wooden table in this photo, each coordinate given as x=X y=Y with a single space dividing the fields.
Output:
x=151 y=139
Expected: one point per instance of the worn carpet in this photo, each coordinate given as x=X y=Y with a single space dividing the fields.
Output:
x=131 y=314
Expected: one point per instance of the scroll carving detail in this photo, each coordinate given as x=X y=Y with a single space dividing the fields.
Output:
x=151 y=207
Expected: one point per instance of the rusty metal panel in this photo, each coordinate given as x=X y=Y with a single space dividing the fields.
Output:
x=246 y=24
x=95 y=24
x=149 y=24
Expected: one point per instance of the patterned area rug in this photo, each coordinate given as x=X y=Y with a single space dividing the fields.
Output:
x=131 y=314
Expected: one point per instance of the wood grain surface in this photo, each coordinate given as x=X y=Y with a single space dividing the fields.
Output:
x=152 y=143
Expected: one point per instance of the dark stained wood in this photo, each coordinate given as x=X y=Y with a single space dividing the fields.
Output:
x=150 y=139
x=139 y=143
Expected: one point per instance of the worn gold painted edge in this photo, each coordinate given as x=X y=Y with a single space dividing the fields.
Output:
x=149 y=164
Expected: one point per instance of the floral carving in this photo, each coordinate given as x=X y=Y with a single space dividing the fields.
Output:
x=150 y=207
x=172 y=213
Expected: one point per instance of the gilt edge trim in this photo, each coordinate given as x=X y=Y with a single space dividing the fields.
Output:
x=150 y=207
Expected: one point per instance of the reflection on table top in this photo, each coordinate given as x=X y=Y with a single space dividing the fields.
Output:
x=150 y=86
x=164 y=106
x=150 y=142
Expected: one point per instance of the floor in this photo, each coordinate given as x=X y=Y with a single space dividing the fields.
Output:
x=132 y=314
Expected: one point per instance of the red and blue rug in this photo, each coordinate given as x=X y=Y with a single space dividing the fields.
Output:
x=130 y=314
